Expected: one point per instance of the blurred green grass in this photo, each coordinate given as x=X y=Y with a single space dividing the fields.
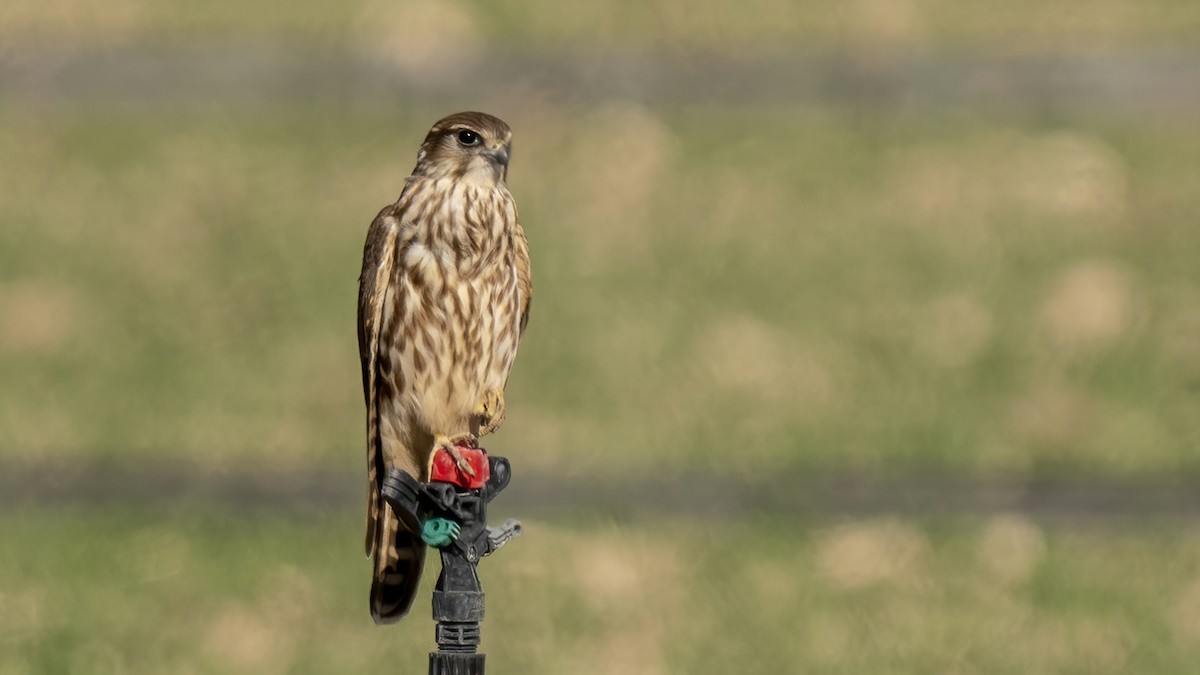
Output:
x=747 y=290
x=759 y=27
x=790 y=287
x=133 y=592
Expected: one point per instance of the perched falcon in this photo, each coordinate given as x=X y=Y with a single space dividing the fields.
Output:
x=442 y=304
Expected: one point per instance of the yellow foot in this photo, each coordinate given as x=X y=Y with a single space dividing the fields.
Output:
x=450 y=445
x=490 y=411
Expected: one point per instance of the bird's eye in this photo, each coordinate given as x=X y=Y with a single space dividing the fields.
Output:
x=468 y=137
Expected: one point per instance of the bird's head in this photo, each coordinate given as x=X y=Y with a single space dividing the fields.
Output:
x=470 y=145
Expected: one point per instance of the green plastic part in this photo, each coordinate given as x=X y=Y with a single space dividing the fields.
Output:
x=439 y=532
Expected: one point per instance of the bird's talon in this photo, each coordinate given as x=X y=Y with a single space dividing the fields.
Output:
x=465 y=467
x=451 y=448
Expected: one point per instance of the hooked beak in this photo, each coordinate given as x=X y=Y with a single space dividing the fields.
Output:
x=499 y=156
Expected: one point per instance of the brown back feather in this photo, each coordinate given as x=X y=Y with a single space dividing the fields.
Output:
x=377 y=268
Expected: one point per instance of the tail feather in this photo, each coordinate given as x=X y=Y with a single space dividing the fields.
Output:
x=399 y=556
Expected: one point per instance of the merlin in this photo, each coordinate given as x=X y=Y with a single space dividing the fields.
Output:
x=443 y=302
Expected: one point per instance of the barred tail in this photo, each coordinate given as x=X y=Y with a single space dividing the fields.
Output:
x=399 y=557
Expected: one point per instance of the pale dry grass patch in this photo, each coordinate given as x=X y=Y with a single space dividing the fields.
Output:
x=1049 y=645
x=39 y=318
x=1010 y=550
x=957 y=191
x=70 y=23
x=998 y=613
x=877 y=31
x=1034 y=27
x=756 y=28
x=749 y=380
x=1070 y=175
x=868 y=553
x=428 y=40
x=625 y=573
x=1095 y=644
x=1102 y=645
x=609 y=597
x=744 y=355
x=621 y=650
x=540 y=438
x=635 y=587
x=620 y=166
x=736 y=204
x=1089 y=306
x=1184 y=614
x=239 y=638
x=1052 y=413
x=290 y=597
x=939 y=191
x=24 y=612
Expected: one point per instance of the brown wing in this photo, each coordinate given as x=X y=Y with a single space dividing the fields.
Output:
x=524 y=277
x=378 y=256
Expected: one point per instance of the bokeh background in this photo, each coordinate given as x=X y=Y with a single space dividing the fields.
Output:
x=866 y=335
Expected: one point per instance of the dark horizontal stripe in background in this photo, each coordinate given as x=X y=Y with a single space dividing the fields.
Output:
x=535 y=494
x=1099 y=83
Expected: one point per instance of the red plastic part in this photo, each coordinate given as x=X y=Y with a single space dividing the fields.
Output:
x=445 y=470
